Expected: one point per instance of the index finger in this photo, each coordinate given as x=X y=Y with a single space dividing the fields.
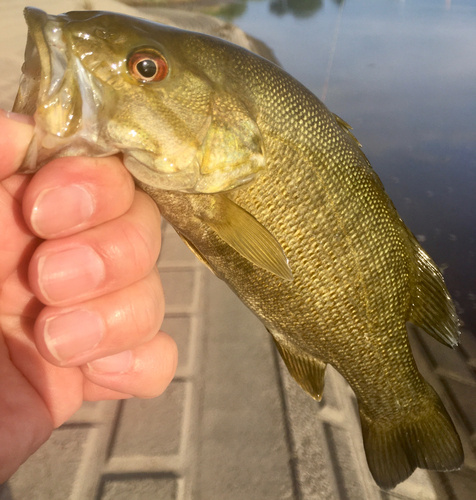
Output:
x=16 y=132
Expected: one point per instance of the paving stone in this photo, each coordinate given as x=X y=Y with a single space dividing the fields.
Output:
x=335 y=389
x=463 y=485
x=463 y=397
x=346 y=465
x=151 y=427
x=179 y=328
x=174 y=249
x=140 y=488
x=445 y=360
x=314 y=465
x=5 y=492
x=421 y=485
x=243 y=453
x=179 y=287
x=468 y=346
x=50 y=473
x=90 y=412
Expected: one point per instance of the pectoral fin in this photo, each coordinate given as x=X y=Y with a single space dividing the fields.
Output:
x=308 y=371
x=247 y=236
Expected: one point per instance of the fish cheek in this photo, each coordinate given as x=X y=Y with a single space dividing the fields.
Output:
x=158 y=144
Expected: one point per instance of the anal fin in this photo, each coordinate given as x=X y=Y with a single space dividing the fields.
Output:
x=308 y=371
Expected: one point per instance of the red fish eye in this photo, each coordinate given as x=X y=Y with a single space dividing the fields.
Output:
x=147 y=67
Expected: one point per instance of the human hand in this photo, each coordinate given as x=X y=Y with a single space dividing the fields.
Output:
x=81 y=302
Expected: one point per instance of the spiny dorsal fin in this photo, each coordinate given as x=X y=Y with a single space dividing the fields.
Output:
x=347 y=129
x=308 y=372
x=433 y=310
x=247 y=236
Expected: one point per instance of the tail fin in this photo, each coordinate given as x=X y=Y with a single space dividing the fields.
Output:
x=426 y=439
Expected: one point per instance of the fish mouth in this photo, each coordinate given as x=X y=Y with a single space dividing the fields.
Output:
x=45 y=89
x=56 y=89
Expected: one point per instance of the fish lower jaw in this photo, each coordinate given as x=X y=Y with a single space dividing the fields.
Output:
x=53 y=142
x=174 y=181
x=187 y=179
x=229 y=177
x=58 y=121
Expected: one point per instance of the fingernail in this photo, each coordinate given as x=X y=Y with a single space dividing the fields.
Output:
x=17 y=117
x=70 y=273
x=61 y=208
x=117 y=363
x=73 y=333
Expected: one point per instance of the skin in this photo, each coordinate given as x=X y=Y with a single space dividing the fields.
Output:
x=43 y=381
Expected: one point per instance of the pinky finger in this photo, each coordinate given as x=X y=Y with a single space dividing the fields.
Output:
x=144 y=372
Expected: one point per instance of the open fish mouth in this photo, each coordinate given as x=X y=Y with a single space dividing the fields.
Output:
x=57 y=90
x=47 y=88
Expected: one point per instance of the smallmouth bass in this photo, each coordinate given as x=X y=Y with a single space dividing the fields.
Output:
x=272 y=192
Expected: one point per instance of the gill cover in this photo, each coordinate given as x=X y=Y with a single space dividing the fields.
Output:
x=226 y=153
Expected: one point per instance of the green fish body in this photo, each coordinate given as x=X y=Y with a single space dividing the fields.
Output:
x=272 y=192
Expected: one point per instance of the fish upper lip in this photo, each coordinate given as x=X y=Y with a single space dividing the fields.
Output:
x=46 y=35
x=58 y=91
x=37 y=45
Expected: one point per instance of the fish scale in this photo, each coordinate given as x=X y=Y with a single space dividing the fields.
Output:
x=272 y=192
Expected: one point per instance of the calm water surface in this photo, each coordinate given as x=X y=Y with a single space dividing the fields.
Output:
x=403 y=74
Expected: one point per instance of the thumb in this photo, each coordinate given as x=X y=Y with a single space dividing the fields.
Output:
x=16 y=132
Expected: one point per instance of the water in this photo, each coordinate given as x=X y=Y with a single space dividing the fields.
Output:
x=403 y=74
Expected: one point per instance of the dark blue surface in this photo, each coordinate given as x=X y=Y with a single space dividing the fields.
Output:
x=403 y=74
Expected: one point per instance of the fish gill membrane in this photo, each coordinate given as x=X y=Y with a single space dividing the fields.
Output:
x=272 y=193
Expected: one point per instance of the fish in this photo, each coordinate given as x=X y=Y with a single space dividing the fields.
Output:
x=273 y=193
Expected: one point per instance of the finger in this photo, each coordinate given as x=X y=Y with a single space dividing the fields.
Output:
x=99 y=260
x=59 y=388
x=16 y=241
x=93 y=392
x=16 y=132
x=16 y=298
x=103 y=326
x=70 y=195
x=144 y=372
x=25 y=420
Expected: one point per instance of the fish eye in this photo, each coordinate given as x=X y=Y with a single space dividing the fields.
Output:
x=147 y=66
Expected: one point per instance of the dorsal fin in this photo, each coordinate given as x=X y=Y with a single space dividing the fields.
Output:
x=347 y=129
x=433 y=310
